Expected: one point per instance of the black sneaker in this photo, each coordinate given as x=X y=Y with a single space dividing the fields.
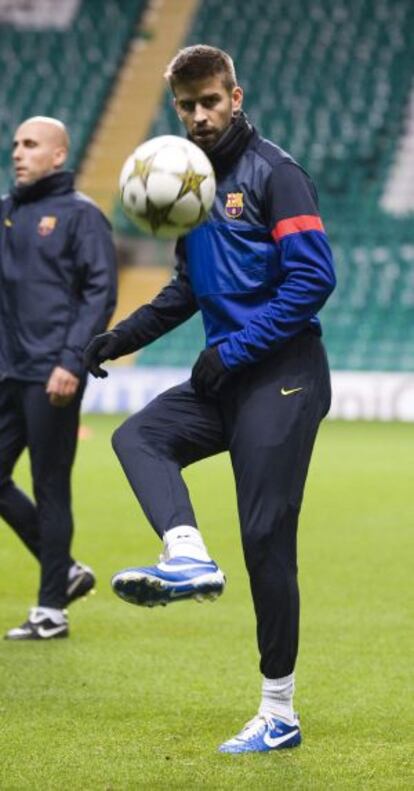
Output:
x=81 y=581
x=39 y=627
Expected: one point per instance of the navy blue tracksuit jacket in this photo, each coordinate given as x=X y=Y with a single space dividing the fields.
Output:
x=57 y=278
x=259 y=269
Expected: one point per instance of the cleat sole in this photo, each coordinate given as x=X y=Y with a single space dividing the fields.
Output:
x=80 y=589
x=151 y=592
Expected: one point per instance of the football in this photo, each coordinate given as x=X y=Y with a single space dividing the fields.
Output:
x=167 y=186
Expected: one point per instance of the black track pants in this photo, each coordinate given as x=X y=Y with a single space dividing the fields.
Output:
x=267 y=419
x=50 y=433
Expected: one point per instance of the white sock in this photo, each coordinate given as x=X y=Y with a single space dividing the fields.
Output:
x=277 y=698
x=57 y=616
x=185 y=541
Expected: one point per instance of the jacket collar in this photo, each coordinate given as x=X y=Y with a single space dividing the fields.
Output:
x=231 y=144
x=56 y=184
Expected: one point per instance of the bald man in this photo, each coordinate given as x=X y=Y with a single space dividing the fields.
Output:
x=57 y=289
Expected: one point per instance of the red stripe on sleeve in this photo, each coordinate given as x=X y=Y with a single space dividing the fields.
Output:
x=303 y=222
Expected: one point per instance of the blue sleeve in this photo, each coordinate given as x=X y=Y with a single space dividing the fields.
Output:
x=306 y=264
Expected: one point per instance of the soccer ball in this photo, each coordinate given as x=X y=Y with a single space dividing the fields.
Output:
x=167 y=186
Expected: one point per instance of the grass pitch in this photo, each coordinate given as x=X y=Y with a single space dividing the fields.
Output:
x=140 y=699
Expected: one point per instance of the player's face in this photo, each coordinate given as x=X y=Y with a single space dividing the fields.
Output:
x=206 y=108
x=36 y=152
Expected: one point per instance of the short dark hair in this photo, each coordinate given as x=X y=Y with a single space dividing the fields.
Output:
x=200 y=62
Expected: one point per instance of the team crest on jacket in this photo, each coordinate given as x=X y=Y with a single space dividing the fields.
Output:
x=234 y=204
x=46 y=225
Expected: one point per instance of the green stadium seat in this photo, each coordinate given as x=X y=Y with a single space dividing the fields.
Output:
x=39 y=78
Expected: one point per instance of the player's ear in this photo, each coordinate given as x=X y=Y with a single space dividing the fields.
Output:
x=236 y=98
x=59 y=156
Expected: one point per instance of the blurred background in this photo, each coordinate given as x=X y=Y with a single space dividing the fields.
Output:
x=332 y=81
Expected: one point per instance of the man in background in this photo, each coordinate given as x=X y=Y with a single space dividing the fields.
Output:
x=57 y=288
x=259 y=269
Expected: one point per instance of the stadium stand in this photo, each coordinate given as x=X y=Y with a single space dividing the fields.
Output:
x=66 y=73
x=130 y=108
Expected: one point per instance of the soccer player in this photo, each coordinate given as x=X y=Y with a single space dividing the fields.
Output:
x=259 y=270
x=57 y=289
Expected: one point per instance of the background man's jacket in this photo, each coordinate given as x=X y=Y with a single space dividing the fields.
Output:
x=57 y=278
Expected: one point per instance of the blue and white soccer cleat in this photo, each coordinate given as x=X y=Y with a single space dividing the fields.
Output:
x=175 y=579
x=262 y=734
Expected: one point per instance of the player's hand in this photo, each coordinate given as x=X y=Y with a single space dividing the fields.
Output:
x=106 y=346
x=209 y=373
x=61 y=386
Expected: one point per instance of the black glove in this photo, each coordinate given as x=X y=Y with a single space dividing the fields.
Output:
x=209 y=373
x=106 y=346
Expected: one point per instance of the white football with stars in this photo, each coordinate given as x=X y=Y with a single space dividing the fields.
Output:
x=167 y=186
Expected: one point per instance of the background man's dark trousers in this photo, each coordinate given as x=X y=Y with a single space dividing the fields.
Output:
x=28 y=419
